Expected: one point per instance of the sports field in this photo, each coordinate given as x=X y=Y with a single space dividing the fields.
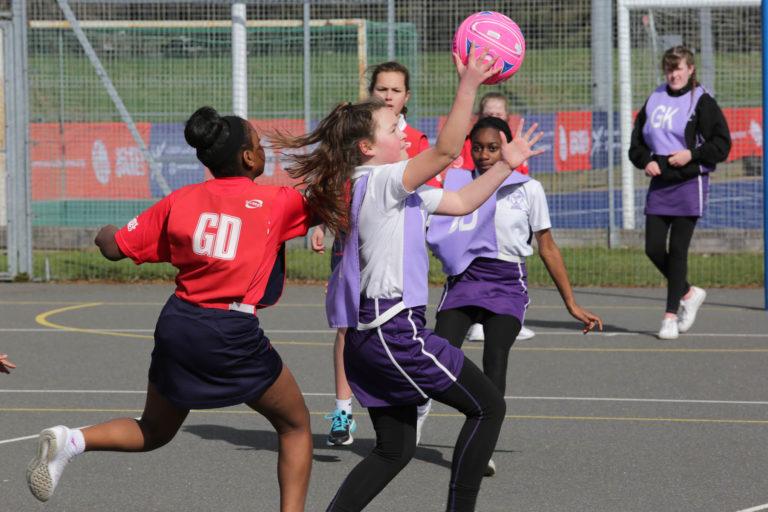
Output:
x=604 y=422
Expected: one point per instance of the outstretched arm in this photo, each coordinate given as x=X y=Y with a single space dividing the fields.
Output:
x=553 y=260
x=429 y=163
x=474 y=194
x=106 y=243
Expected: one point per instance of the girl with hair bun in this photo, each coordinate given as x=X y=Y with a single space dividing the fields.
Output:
x=225 y=236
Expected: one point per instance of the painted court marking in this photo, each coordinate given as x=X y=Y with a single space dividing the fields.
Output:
x=44 y=320
x=755 y=509
x=723 y=421
x=508 y=397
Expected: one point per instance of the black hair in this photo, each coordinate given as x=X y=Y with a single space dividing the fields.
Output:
x=492 y=122
x=219 y=141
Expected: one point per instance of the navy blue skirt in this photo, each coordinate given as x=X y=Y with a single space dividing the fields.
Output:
x=206 y=358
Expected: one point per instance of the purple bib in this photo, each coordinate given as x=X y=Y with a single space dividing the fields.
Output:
x=664 y=133
x=457 y=241
x=342 y=303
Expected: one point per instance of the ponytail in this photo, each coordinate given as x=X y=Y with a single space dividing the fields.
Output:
x=328 y=166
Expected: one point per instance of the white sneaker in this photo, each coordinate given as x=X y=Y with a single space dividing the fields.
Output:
x=525 y=334
x=668 y=329
x=491 y=469
x=689 y=308
x=422 y=412
x=476 y=333
x=44 y=471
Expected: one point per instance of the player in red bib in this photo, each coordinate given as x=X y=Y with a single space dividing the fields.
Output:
x=225 y=236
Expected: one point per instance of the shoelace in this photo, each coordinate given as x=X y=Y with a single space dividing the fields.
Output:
x=338 y=421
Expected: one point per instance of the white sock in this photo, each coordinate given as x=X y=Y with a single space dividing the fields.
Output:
x=344 y=405
x=75 y=443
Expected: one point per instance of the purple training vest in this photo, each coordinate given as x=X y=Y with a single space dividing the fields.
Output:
x=664 y=133
x=342 y=303
x=457 y=241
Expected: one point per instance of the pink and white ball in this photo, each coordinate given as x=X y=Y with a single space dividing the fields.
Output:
x=498 y=33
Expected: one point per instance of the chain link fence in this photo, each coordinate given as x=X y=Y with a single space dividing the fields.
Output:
x=165 y=59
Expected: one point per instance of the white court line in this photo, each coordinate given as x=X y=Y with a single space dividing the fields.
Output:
x=509 y=397
x=755 y=509
x=25 y=438
x=331 y=331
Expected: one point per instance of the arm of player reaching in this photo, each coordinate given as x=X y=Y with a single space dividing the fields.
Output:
x=471 y=196
x=553 y=260
x=105 y=241
x=429 y=163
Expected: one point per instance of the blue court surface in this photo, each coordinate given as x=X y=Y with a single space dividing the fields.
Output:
x=618 y=421
x=732 y=204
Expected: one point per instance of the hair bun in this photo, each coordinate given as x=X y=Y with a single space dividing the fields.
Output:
x=203 y=128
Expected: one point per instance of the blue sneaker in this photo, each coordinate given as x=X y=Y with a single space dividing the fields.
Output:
x=342 y=426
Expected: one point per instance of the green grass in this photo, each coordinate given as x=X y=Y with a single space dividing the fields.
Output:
x=586 y=266
x=169 y=88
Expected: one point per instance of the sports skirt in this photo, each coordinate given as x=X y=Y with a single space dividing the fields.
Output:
x=206 y=358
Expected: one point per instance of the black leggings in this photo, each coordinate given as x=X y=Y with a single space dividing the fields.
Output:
x=500 y=333
x=474 y=396
x=673 y=263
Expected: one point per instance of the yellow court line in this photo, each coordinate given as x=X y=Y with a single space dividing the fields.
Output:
x=43 y=319
x=437 y=415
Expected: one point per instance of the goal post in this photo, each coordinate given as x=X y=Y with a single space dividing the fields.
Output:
x=624 y=8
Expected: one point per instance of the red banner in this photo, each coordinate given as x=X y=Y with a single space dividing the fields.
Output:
x=573 y=141
x=746 y=126
x=88 y=161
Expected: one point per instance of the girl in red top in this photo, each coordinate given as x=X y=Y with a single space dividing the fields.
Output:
x=391 y=82
x=225 y=236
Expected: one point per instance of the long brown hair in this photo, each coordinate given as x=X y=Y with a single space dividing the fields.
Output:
x=671 y=60
x=392 y=67
x=328 y=166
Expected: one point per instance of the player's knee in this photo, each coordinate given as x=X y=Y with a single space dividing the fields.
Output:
x=156 y=434
x=397 y=456
x=297 y=422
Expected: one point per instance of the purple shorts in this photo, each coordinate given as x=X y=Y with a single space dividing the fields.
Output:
x=498 y=286
x=401 y=362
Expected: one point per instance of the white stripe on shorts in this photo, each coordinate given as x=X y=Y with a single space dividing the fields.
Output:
x=392 y=358
x=423 y=350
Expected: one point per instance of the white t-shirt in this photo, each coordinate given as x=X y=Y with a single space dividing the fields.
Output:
x=381 y=224
x=520 y=209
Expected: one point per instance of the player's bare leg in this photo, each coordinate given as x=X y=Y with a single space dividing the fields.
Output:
x=283 y=405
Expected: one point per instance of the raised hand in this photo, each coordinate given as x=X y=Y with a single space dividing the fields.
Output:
x=520 y=148
x=478 y=67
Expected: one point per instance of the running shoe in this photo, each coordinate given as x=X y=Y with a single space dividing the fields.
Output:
x=44 y=471
x=668 y=329
x=342 y=427
x=476 y=333
x=421 y=415
x=689 y=308
x=491 y=469
x=525 y=334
